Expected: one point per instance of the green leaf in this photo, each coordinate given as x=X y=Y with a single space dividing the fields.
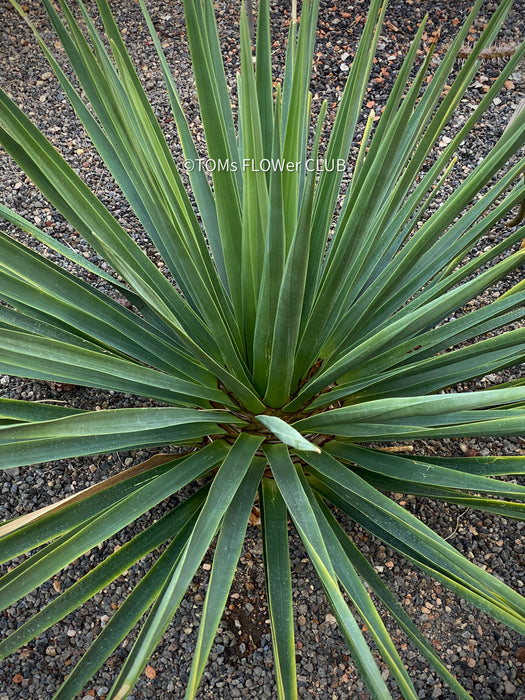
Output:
x=405 y=356
x=273 y=265
x=227 y=552
x=286 y=433
x=217 y=119
x=360 y=598
x=38 y=527
x=291 y=293
x=368 y=573
x=340 y=141
x=15 y=218
x=78 y=204
x=417 y=470
x=296 y=114
x=105 y=572
x=274 y=519
x=156 y=191
x=294 y=488
x=393 y=409
x=129 y=613
x=485 y=466
x=94 y=530
x=14 y=411
x=377 y=513
x=361 y=229
x=24 y=355
x=199 y=183
x=263 y=76
x=408 y=325
x=505 y=509
x=104 y=431
x=222 y=492
x=422 y=257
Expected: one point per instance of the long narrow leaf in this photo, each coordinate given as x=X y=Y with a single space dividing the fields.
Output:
x=139 y=600
x=104 y=573
x=366 y=570
x=274 y=518
x=222 y=491
x=227 y=552
x=103 y=431
x=292 y=489
x=54 y=557
x=487 y=592
x=38 y=527
x=31 y=356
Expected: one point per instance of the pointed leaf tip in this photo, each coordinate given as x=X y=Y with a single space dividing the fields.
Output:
x=290 y=436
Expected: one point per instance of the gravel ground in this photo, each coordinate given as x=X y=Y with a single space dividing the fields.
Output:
x=487 y=658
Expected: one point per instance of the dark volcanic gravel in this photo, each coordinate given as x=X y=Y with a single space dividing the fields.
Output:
x=487 y=657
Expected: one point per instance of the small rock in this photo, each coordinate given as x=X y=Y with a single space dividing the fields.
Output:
x=510 y=688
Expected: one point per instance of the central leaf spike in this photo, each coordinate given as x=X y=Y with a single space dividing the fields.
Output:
x=287 y=434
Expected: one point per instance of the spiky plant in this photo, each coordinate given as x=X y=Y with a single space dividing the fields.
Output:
x=304 y=325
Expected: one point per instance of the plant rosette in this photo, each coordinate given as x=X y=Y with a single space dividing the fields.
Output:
x=295 y=323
